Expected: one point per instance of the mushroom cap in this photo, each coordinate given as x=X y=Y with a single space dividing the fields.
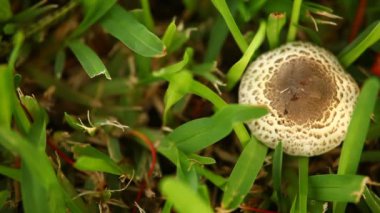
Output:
x=309 y=95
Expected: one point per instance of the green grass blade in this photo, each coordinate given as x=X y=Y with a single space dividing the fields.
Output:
x=148 y=19
x=357 y=130
x=277 y=173
x=123 y=26
x=5 y=10
x=303 y=172
x=276 y=22
x=200 y=133
x=294 y=20
x=223 y=9
x=94 y=10
x=372 y=200
x=91 y=159
x=366 y=39
x=244 y=174
x=10 y=172
x=342 y=188
x=174 y=190
x=40 y=189
x=90 y=61
x=218 y=34
x=6 y=95
x=238 y=68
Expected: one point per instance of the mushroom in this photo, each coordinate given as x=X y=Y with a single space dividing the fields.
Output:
x=309 y=95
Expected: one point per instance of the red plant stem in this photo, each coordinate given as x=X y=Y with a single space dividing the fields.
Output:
x=375 y=68
x=153 y=153
x=248 y=208
x=61 y=154
x=358 y=21
x=149 y=143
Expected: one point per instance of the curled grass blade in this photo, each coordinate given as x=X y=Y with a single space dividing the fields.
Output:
x=244 y=174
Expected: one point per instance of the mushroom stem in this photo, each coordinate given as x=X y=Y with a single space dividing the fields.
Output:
x=303 y=172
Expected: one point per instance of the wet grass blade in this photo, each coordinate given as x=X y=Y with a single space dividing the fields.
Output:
x=124 y=26
x=90 y=61
x=244 y=174
x=174 y=191
x=366 y=39
x=342 y=188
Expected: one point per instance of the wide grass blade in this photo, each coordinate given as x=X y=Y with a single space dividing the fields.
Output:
x=201 y=133
x=90 y=61
x=244 y=174
x=91 y=159
x=238 y=68
x=342 y=188
x=124 y=26
x=223 y=9
x=184 y=199
x=366 y=39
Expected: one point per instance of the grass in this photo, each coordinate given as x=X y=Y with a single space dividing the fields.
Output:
x=130 y=107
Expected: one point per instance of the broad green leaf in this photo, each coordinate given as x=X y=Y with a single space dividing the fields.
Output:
x=10 y=172
x=91 y=159
x=174 y=190
x=201 y=133
x=123 y=25
x=342 y=188
x=244 y=174
x=6 y=94
x=238 y=68
x=223 y=9
x=93 y=11
x=89 y=60
x=366 y=39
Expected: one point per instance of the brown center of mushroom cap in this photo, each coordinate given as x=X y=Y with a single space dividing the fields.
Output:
x=301 y=91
